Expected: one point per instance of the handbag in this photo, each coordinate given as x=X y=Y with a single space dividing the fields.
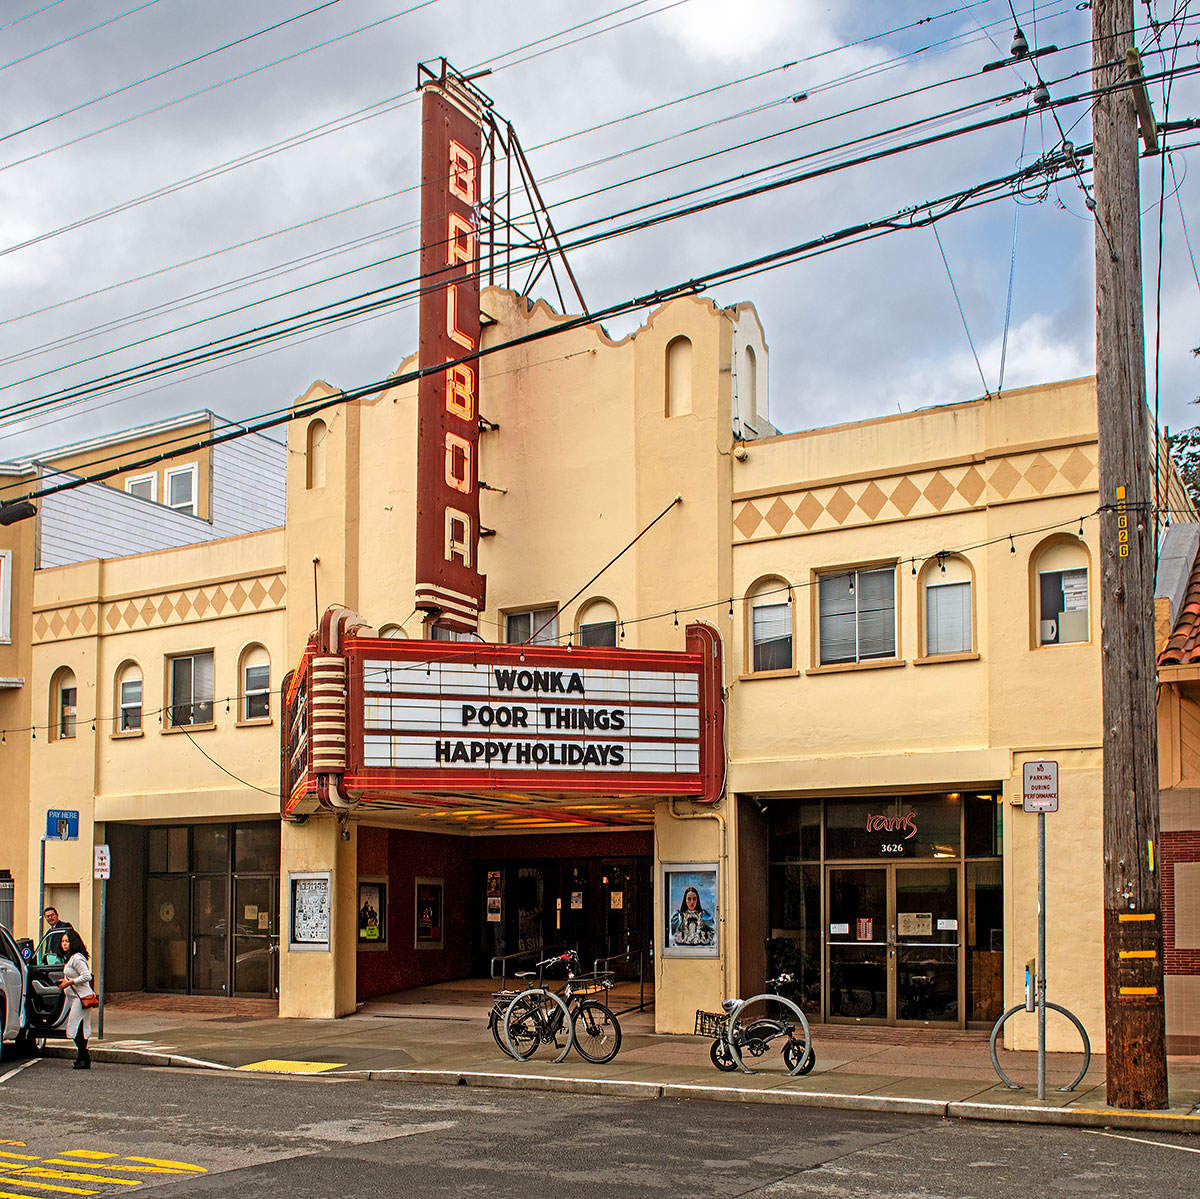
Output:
x=86 y=1001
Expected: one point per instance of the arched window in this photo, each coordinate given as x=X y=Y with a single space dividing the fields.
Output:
x=394 y=631
x=769 y=625
x=947 y=607
x=129 y=698
x=596 y=623
x=62 y=704
x=254 y=674
x=679 y=377
x=1060 y=587
x=315 y=454
x=748 y=385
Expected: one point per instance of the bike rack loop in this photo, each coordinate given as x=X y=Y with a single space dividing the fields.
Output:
x=1020 y=1007
x=736 y=1054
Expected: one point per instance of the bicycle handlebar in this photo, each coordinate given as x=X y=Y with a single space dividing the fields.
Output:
x=569 y=956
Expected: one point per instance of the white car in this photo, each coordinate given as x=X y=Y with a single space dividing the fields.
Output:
x=31 y=1005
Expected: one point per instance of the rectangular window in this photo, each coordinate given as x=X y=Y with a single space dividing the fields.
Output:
x=145 y=487
x=602 y=632
x=191 y=690
x=258 y=692
x=439 y=632
x=5 y=596
x=948 y=618
x=857 y=615
x=772 y=632
x=1063 y=617
x=181 y=489
x=131 y=706
x=66 y=712
x=541 y=624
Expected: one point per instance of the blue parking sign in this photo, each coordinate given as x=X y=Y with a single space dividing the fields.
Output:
x=62 y=825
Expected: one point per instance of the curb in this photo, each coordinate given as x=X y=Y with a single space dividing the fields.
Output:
x=1067 y=1117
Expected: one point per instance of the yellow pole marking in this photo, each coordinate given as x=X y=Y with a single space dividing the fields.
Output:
x=1150 y=854
x=1138 y=953
x=46 y=1186
x=165 y=1161
x=24 y=1157
x=91 y=1154
x=1127 y=916
x=1139 y=991
x=38 y=1172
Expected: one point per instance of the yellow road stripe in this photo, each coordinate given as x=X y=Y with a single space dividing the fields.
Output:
x=279 y=1066
x=1138 y=953
x=45 y=1186
x=55 y=1161
x=1127 y=916
x=90 y=1154
x=39 y=1172
x=1139 y=991
x=165 y=1161
x=13 y=1195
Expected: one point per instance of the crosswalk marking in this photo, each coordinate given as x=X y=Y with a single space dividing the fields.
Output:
x=166 y=1161
x=41 y=1172
x=45 y=1186
x=30 y=1172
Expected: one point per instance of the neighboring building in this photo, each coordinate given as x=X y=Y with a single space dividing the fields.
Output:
x=909 y=613
x=1177 y=607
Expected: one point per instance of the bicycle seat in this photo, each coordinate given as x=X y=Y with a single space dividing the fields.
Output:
x=525 y=974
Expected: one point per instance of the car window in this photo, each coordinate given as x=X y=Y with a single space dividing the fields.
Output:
x=50 y=950
x=7 y=949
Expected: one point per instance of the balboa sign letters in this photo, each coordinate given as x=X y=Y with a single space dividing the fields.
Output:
x=430 y=717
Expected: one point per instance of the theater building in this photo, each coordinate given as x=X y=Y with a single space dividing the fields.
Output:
x=903 y=612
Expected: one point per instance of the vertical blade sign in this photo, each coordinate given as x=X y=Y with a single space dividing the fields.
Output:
x=449 y=587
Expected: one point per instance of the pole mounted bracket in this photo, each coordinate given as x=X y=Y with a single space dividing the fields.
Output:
x=1141 y=101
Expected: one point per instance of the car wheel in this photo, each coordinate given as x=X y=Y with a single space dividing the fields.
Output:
x=26 y=1043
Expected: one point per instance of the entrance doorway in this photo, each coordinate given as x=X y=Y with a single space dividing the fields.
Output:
x=893 y=950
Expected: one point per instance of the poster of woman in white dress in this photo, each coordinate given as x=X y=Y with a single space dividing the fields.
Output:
x=690 y=893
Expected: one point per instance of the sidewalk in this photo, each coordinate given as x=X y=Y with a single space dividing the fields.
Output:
x=440 y=1035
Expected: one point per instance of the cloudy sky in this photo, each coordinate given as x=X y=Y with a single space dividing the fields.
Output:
x=162 y=186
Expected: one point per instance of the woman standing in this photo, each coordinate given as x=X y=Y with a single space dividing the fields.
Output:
x=77 y=983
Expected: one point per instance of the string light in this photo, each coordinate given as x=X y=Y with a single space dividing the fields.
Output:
x=677 y=620
x=1081 y=528
x=731 y=607
x=1012 y=545
x=914 y=567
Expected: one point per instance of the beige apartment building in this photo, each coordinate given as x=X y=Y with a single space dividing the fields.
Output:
x=908 y=613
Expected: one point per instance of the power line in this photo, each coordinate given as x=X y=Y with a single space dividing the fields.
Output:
x=73 y=36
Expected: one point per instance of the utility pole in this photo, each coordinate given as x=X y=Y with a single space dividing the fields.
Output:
x=1135 y=1017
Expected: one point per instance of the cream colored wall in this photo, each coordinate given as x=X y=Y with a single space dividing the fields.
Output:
x=16 y=716
x=943 y=723
x=101 y=614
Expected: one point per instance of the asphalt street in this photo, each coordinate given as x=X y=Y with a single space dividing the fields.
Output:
x=119 y=1129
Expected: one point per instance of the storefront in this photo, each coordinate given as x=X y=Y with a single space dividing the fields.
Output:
x=200 y=908
x=890 y=908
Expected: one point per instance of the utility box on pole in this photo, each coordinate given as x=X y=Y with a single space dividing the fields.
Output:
x=1135 y=1017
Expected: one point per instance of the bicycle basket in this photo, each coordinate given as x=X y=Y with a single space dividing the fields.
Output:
x=590 y=984
x=711 y=1024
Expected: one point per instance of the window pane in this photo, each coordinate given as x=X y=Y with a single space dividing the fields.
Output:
x=600 y=633
x=177 y=850
x=131 y=705
x=772 y=633
x=258 y=678
x=66 y=723
x=256 y=848
x=144 y=488
x=876 y=592
x=549 y=618
x=517 y=628
x=202 y=689
x=181 y=691
x=948 y=618
x=156 y=851
x=179 y=488
x=837 y=618
x=210 y=848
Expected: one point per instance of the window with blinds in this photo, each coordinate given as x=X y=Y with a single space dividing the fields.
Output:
x=771 y=631
x=948 y=618
x=539 y=623
x=857 y=615
x=191 y=690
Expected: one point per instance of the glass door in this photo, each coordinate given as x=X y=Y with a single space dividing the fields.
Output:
x=210 y=938
x=892 y=944
x=167 y=933
x=859 y=957
x=927 y=954
x=256 y=936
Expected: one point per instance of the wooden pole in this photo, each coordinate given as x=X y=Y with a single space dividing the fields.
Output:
x=1135 y=1018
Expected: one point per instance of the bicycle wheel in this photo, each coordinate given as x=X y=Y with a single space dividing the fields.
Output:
x=597 y=1032
x=496 y=1024
x=535 y=1016
x=721 y=1057
x=793 y=1051
x=758 y=1015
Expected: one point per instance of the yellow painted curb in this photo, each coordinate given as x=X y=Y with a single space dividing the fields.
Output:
x=277 y=1066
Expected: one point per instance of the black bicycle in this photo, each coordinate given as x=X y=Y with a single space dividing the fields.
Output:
x=522 y=1020
x=748 y=1027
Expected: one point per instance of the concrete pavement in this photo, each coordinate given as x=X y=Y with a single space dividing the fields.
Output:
x=440 y=1035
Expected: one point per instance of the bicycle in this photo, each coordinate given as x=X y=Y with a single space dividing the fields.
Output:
x=538 y=1015
x=749 y=1026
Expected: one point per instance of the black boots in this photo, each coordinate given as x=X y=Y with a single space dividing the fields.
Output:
x=83 y=1060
